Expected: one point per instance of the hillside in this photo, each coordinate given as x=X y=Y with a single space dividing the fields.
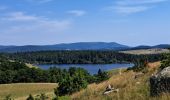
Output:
x=129 y=87
x=69 y=46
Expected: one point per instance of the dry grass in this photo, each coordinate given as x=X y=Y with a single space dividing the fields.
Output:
x=146 y=51
x=20 y=91
x=130 y=88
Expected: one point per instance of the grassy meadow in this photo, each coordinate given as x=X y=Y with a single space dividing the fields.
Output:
x=21 y=91
x=146 y=51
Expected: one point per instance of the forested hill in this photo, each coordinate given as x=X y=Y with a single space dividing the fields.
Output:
x=69 y=46
x=79 y=57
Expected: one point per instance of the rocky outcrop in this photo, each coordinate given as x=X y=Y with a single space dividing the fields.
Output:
x=160 y=83
x=109 y=89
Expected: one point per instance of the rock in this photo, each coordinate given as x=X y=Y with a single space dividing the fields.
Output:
x=116 y=90
x=160 y=82
x=107 y=92
x=164 y=73
x=109 y=89
x=137 y=75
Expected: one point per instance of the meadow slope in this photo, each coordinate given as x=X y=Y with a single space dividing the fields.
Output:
x=129 y=87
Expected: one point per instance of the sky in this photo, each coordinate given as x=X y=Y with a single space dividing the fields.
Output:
x=43 y=22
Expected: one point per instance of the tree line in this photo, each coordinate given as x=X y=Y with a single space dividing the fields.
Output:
x=14 y=72
x=79 y=57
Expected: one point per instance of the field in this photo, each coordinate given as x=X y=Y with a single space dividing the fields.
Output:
x=129 y=87
x=146 y=51
x=21 y=91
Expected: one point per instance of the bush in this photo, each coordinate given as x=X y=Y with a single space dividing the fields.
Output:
x=42 y=96
x=30 y=97
x=72 y=82
x=8 y=97
x=139 y=65
x=165 y=62
x=102 y=76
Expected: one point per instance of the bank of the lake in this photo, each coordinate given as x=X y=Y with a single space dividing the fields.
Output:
x=91 y=68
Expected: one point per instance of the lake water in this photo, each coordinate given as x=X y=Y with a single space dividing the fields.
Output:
x=91 y=68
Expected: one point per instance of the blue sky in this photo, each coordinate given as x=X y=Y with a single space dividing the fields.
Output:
x=39 y=22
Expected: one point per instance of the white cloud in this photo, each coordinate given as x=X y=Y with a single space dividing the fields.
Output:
x=19 y=16
x=77 y=12
x=133 y=6
x=138 y=2
x=128 y=9
x=18 y=22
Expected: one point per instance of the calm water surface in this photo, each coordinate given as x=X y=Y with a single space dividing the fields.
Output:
x=91 y=68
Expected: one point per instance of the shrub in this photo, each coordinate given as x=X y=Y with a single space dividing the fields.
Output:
x=8 y=97
x=101 y=76
x=165 y=62
x=73 y=81
x=30 y=97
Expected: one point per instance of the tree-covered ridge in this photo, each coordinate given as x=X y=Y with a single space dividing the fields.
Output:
x=79 y=57
x=18 y=72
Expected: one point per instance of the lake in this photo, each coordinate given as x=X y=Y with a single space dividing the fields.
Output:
x=91 y=68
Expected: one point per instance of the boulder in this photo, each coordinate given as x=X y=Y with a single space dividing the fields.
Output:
x=160 y=83
x=109 y=89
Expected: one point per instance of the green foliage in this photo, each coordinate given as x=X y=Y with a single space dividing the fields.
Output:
x=8 y=97
x=64 y=98
x=165 y=62
x=30 y=97
x=139 y=65
x=14 y=72
x=78 y=57
x=74 y=80
x=42 y=96
x=101 y=76
x=77 y=79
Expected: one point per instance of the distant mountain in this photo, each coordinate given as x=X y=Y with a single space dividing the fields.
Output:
x=141 y=47
x=70 y=46
x=162 y=46
x=78 y=46
x=4 y=47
